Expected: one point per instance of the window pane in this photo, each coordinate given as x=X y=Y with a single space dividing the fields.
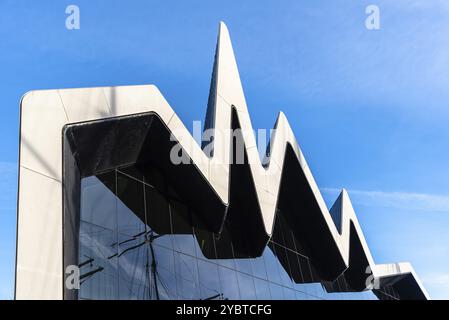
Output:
x=223 y=246
x=246 y=286
x=134 y=271
x=98 y=201
x=209 y=284
x=183 y=240
x=130 y=205
x=204 y=246
x=229 y=284
x=289 y=238
x=166 y=284
x=289 y=294
x=243 y=265
x=262 y=289
x=305 y=268
x=295 y=268
x=187 y=290
x=301 y=296
x=284 y=269
x=158 y=217
x=312 y=289
x=187 y=276
x=272 y=265
x=242 y=261
x=163 y=258
x=258 y=265
x=276 y=292
x=98 y=270
x=157 y=211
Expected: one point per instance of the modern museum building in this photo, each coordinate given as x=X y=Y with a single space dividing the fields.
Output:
x=105 y=213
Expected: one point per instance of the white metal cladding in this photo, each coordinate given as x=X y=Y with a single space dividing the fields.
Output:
x=39 y=265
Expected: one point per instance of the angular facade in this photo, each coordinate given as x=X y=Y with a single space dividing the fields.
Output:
x=98 y=191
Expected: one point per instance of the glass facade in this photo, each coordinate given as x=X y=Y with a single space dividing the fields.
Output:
x=138 y=240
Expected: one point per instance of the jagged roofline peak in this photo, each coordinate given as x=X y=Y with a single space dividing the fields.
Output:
x=227 y=93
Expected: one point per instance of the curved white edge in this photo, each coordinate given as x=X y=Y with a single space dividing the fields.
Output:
x=44 y=113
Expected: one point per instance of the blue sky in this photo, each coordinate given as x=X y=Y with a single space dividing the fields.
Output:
x=369 y=108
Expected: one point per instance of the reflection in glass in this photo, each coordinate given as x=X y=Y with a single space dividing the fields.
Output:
x=98 y=272
x=138 y=240
x=276 y=291
x=259 y=269
x=132 y=270
x=289 y=294
x=262 y=289
x=272 y=265
x=246 y=285
x=244 y=265
x=209 y=280
x=229 y=284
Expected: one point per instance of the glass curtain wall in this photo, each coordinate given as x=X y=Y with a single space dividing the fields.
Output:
x=138 y=240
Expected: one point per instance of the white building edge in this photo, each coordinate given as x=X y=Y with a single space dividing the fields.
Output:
x=45 y=114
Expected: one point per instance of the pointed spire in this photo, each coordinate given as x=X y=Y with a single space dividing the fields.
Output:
x=225 y=91
x=209 y=122
x=225 y=78
x=229 y=85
